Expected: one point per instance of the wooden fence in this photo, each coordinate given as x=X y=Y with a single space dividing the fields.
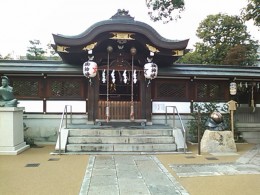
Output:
x=119 y=110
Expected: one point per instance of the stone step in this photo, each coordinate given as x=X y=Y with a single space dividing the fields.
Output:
x=250 y=132
x=251 y=135
x=117 y=139
x=248 y=125
x=121 y=139
x=121 y=148
x=249 y=129
x=119 y=132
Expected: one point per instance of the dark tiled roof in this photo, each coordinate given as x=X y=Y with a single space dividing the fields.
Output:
x=37 y=67
x=176 y=70
x=214 y=71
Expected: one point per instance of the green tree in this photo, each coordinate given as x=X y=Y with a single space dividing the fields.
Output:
x=191 y=58
x=7 y=57
x=163 y=10
x=220 y=35
x=238 y=55
x=52 y=53
x=35 y=51
x=251 y=12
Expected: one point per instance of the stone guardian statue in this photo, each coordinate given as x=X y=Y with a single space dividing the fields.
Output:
x=7 y=98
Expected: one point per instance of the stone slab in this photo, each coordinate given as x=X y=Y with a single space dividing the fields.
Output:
x=224 y=154
x=147 y=176
x=215 y=169
x=218 y=142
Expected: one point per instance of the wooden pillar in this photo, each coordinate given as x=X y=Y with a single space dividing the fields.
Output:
x=143 y=97
x=148 y=103
x=232 y=105
x=93 y=93
x=146 y=100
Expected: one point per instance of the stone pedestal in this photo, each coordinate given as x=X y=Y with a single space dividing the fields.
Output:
x=218 y=141
x=11 y=131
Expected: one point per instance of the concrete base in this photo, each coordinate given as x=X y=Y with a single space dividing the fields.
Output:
x=64 y=138
x=13 y=150
x=218 y=141
x=179 y=139
x=11 y=131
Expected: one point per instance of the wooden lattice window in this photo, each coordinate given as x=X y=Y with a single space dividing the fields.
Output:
x=65 y=88
x=210 y=91
x=26 y=88
x=171 y=90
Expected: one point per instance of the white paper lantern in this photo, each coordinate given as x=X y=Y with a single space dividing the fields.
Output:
x=150 y=70
x=90 y=69
x=233 y=88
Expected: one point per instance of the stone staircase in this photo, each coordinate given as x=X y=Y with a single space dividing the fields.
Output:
x=247 y=123
x=119 y=139
x=250 y=132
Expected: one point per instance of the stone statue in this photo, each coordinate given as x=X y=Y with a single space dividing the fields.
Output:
x=215 y=122
x=7 y=98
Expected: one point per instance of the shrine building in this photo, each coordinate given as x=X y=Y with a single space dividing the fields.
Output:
x=122 y=70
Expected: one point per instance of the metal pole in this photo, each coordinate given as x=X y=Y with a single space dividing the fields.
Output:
x=71 y=114
x=166 y=115
x=66 y=122
x=59 y=143
x=199 y=121
x=173 y=116
x=132 y=91
x=109 y=49
x=132 y=116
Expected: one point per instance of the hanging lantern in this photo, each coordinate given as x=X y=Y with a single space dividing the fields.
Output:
x=233 y=88
x=150 y=70
x=90 y=69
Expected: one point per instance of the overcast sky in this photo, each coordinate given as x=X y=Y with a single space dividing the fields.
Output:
x=24 y=20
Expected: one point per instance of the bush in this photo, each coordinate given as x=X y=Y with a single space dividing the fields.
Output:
x=28 y=140
x=200 y=114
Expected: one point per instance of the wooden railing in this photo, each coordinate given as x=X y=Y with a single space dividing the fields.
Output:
x=119 y=109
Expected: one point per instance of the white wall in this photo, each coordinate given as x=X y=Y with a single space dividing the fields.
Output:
x=43 y=127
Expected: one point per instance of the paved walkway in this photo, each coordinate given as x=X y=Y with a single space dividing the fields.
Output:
x=128 y=174
x=251 y=157
x=249 y=163
x=125 y=174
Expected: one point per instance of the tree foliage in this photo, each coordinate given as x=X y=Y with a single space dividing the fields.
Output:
x=52 y=53
x=238 y=55
x=191 y=58
x=220 y=36
x=35 y=51
x=252 y=12
x=163 y=10
x=7 y=57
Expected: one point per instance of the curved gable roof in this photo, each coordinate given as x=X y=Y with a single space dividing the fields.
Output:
x=121 y=20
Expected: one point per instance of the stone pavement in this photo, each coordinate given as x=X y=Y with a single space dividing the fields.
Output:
x=251 y=157
x=126 y=174
x=249 y=163
x=144 y=174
